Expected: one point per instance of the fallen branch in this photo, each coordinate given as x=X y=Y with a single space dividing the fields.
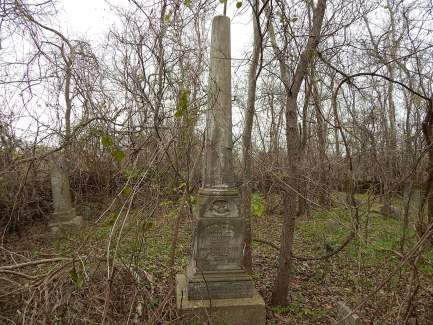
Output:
x=414 y=251
x=31 y=263
x=301 y=258
x=23 y=275
x=334 y=252
x=266 y=243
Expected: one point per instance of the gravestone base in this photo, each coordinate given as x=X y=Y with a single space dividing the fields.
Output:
x=63 y=216
x=64 y=221
x=219 y=284
x=229 y=311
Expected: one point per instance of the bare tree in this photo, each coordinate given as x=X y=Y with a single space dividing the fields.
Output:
x=292 y=89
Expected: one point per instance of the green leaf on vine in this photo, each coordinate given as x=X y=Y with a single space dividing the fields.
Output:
x=118 y=155
x=75 y=276
x=127 y=191
x=182 y=105
x=107 y=141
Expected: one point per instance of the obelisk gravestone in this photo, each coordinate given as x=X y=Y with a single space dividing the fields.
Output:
x=216 y=287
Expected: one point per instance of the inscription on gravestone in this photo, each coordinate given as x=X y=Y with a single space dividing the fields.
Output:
x=219 y=290
x=219 y=245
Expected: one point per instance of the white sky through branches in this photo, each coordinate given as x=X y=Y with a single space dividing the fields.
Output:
x=93 y=18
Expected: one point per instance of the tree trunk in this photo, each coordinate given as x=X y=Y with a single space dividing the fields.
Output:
x=281 y=284
x=246 y=140
x=428 y=135
x=323 y=193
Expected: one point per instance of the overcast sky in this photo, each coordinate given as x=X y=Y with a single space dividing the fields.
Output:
x=93 y=18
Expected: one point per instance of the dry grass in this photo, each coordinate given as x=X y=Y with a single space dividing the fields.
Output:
x=140 y=289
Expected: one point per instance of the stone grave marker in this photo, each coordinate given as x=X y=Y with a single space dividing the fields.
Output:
x=216 y=287
x=342 y=311
x=64 y=214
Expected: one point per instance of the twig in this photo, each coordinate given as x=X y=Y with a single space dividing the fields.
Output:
x=49 y=260
x=266 y=243
x=164 y=302
x=23 y=275
x=417 y=248
x=301 y=258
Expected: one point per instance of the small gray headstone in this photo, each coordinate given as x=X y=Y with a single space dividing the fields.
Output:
x=64 y=215
x=332 y=226
x=390 y=211
x=342 y=311
x=60 y=187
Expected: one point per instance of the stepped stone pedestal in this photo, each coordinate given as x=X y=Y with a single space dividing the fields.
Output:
x=229 y=311
x=216 y=288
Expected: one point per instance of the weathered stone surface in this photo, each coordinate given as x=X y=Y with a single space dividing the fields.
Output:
x=237 y=311
x=64 y=215
x=412 y=321
x=342 y=311
x=218 y=231
x=219 y=244
x=60 y=189
x=218 y=202
x=216 y=269
x=218 y=166
x=218 y=285
x=56 y=228
x=219 y=290
x=75 y=221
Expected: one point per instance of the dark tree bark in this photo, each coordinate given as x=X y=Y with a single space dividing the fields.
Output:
x=281 y=283
x=246 y=138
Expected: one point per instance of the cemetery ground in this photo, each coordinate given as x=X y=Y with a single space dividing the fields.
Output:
x=71 y=286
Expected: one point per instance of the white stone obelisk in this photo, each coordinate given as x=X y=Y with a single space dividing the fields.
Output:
x=215 y=276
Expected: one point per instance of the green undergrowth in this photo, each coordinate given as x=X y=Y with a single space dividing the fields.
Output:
x=146 y=243
x=350 y=275
x=258 y=205
x=300 y=310
x=378 y=238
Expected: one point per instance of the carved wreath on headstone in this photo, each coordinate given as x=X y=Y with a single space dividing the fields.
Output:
x=220 y=207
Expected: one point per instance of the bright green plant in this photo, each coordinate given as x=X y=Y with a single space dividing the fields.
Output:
x=257 y=205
